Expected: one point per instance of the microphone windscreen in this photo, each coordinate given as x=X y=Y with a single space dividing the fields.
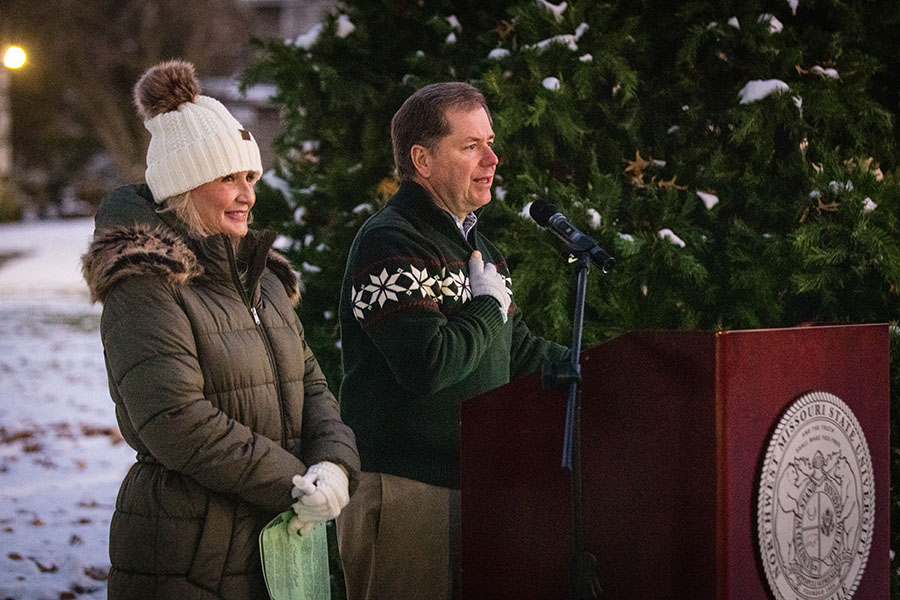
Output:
x=541 y=211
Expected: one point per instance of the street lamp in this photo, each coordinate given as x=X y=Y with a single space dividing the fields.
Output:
x=13 y=58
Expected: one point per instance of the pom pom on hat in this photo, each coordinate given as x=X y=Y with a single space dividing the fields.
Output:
x=165 y=87
x=193 y=138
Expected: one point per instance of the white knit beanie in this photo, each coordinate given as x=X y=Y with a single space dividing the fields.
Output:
x=193 y=138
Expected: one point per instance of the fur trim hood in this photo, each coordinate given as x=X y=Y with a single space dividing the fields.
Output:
x=119 y=252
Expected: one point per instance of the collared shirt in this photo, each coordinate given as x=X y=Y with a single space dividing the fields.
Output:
x=466 y=225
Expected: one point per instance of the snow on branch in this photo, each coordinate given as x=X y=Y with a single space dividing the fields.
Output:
x=669 y=236
x=567 y=39
x=556 y=9
x=344 y=26
x=551 y=83
x=775 y=26
x=307 y=40
x=709 y=199
x=758 y=89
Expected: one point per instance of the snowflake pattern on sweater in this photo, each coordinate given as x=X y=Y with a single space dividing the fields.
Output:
x=441 y=288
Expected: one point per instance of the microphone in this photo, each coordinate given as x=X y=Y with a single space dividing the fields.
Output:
x=546 y=215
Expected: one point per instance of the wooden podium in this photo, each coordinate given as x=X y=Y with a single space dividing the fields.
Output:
x=675 y=428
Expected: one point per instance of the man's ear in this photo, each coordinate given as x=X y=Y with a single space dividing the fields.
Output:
x=421 y=160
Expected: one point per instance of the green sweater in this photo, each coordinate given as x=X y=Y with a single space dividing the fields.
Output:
x=416 y=344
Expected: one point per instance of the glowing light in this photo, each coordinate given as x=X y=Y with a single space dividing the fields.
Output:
x=14 y=57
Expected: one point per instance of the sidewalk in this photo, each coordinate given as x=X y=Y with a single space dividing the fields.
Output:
x=61 y=457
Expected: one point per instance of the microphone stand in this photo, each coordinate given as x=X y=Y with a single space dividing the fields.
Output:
x=583 y=581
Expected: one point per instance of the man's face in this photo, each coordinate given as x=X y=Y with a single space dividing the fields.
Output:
x=459 y=169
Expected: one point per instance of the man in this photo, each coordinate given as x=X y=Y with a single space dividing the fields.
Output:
x=427 y=321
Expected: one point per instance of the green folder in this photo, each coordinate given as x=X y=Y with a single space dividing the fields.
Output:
x=295 y=566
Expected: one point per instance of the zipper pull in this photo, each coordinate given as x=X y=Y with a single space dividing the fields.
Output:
x=255 y=315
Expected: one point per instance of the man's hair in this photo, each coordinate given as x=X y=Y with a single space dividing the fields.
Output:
x=422 y=119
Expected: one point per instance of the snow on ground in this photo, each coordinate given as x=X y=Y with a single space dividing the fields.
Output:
x=61 y=456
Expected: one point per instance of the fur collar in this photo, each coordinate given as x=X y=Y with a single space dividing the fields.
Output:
x=119 y=252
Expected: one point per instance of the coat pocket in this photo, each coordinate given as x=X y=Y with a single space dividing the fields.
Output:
x=208 y=567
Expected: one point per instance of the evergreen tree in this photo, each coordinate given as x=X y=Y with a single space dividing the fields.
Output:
x=738 y=158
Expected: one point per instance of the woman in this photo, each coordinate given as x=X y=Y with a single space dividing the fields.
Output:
x=213 y=382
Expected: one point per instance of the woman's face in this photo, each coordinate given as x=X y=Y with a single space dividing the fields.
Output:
x=224 y=204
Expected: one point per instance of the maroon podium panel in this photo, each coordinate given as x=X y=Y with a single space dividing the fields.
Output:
x=674 y=426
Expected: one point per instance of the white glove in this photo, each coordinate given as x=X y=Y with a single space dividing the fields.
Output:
x=301 y=487
x=486 y=281
x=321 y=493
x=295 y=525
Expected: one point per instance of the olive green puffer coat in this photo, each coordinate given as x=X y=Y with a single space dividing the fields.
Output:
x=217 y=391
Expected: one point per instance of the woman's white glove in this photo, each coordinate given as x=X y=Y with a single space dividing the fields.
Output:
x=321 y=494
x=486 y=281
x=302 y=527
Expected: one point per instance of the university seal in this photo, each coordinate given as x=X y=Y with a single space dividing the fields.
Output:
x=816 y=505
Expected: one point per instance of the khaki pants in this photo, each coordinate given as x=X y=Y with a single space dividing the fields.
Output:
x=399 y=540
